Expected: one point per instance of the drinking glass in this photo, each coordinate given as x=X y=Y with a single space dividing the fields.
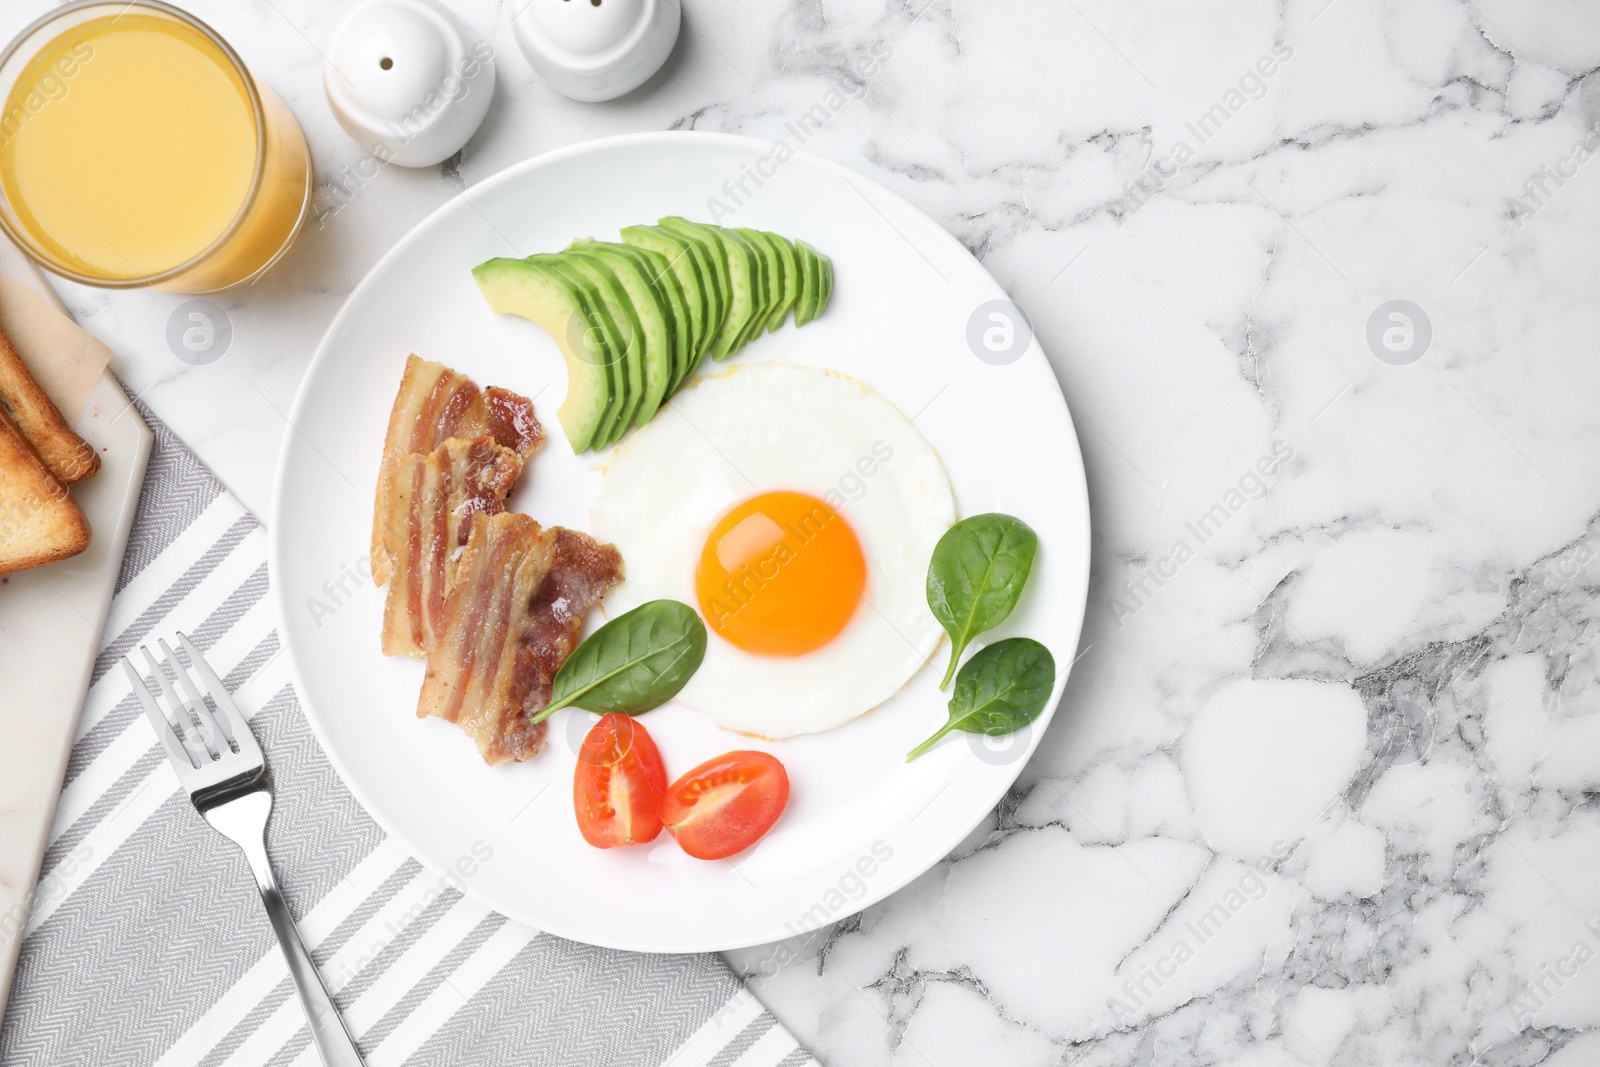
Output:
x=136 y=150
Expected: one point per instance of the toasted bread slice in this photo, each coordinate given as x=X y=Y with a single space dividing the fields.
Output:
x=39 y=522
x=68 y=457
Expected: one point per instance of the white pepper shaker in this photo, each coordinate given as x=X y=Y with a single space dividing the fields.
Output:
x=597 y=49
x=408 y=81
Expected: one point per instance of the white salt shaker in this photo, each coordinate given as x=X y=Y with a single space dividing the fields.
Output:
x=597 y=49
x=408 y=81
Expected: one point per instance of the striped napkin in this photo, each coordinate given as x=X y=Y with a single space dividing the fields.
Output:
x=148 y=943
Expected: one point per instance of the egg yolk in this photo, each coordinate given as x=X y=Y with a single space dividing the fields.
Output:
x=781 y=574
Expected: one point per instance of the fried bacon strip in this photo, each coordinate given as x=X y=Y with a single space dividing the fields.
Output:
x=435 y=404
x=511 y=619
x=430 y=505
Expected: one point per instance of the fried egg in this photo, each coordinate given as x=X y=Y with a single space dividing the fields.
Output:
x=796 y=510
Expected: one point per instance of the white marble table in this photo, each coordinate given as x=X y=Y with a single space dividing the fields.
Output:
x=1324 y=788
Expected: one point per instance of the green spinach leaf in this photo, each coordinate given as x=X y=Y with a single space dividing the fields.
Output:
x=635 y=662
x=976 y=576
x=1001 y=689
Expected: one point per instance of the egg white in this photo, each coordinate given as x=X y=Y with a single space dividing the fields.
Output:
x=763 y=427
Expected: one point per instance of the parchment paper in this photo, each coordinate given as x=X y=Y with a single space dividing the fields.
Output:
x=64 y=359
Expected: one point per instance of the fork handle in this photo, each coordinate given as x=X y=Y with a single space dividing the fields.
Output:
x=328 y=1033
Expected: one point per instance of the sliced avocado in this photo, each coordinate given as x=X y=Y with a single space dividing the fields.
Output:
x=825 y=282
x=627 y=330
x=685 y=348
x=775 y=280
x=736 y=244
x=634 y=319
x=598 y=336
x=716 y=262
x=743 y=276
x=805 y=303
x=715 y=291
x=608 y=332
x=684 y=257
x=551 y=299
x=657 y=268
x=791 y=277
x=771 y=283
x=714 y=266
x=651 y=314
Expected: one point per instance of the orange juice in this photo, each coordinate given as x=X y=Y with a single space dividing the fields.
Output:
x=135 y=149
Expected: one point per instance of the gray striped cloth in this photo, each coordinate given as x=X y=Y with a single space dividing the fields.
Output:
x=148 y=944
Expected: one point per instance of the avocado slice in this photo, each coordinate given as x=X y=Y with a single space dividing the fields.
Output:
x=627 y=330
x=610 y=333
x=771 y=282
x=651 y=311
x=735 y=242
x=714 y=267
x=808 y=303
x=681 y=300
x=657 y=269
x=743 y=278
x=721 y=276
x=685 y=257
x=597 y=336
x=714 y=277
x=550 y=298
x=825 y=282
x=790 y=260
x=656 y=320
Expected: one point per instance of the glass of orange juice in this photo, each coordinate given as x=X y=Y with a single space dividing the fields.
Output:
x=136 y=150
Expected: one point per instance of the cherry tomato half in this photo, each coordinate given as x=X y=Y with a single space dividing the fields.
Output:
x=619 y=784
x=723 y=806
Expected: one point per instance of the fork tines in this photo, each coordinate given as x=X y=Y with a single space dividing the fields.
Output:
x=196 y=731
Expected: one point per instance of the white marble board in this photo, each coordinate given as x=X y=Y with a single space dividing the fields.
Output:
x=50 y=627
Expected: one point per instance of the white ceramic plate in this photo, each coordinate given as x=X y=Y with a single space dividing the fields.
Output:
x=861 y=822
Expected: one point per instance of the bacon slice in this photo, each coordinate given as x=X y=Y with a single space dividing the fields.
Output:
x=435 y=404
x=511 y=619
x=429 y=509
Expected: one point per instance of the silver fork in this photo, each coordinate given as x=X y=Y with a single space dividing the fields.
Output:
x=218 y=761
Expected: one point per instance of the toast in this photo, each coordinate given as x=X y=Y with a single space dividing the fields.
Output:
x=68 y=457
x=39 y=522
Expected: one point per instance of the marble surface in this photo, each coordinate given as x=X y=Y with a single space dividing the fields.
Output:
x=1323 y=789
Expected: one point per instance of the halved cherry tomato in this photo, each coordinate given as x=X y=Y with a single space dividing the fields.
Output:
x=619 y=784
x=723 y=806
